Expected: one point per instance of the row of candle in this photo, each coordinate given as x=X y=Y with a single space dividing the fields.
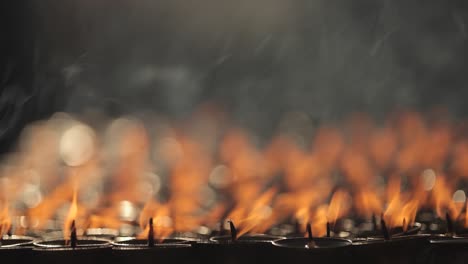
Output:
x=418 y=248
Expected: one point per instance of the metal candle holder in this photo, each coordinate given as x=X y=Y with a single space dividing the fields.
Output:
x=86 y=250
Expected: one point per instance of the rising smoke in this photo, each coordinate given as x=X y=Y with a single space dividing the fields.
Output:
x=257 y=58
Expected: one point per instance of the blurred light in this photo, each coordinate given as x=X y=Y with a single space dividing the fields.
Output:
x=33 y=176
x=126 y=230
x=428 y=179
x=27 y=223
x=265 y=211
x=433 y=227
x=149 y=187
x=208 y=195
x=163 y=221
x=459 y=196
x=348 y=224
x=203 y=230
x=31 y=195
x=220 y=176
x=169 y=150
x=114 y=133
x=127 y=211
x=77 y=145
x=90 y=196
x=343 y=234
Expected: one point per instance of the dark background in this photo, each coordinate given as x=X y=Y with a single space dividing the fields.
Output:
x=256 y=58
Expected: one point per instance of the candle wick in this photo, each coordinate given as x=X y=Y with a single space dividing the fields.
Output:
x=449 y=221
x=328 y=229
x=73 y=237
x=297 y=227
x=233 y=230
x=150 y=233
x=405 y=227
x=374 y=222
x=385 y=232
x=10 y=231
x=311 y=243
x=309 y=232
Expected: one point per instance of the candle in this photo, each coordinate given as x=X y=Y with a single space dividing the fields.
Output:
x=84 y=250
x=400 y=249
x=166 y=251
x=396 y=231
x=253 y=248
x=315 y=250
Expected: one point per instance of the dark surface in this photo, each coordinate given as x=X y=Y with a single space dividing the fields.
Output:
x=449 y=250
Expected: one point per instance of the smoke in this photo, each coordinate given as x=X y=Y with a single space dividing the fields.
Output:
x=259 y=59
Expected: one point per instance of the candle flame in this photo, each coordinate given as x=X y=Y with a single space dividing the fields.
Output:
x=71 y=216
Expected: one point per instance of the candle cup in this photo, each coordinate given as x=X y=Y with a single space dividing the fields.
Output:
x=399 y=249
x=16 y=249
x=134 y=242
x=255 y=248
x=322 y=250
x=449 y=249
x=87 y=250
x=170 y=250
x=14 y=240
x=394 y=232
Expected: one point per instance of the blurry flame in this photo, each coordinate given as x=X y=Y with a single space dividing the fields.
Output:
x=319 y=221
x=210 y=167
x=5 y=220
x=428 y=179
x=162 y=222
x=253 y=216
x=442 y=199
x=382 y=146
x=357 y=168
x=401 y=211
x=338 y=207
x=466 y=215
x=71 y=216
x=328 y=146
x=368 y=203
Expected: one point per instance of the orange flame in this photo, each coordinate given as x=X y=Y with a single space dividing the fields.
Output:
x=359 y=150
x=442 y=198
x=319 y=221
x=382 y=146
x=162 y=222
x=254 y=217
x=408 y=214
x=368 y=203
x=71 y=216
x=338 y=207
x=5 y=221
x=466 y=215
x=400 y=211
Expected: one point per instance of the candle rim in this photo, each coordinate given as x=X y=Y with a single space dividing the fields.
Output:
x=248 y=238
x=305 y=241
x=83 y=243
